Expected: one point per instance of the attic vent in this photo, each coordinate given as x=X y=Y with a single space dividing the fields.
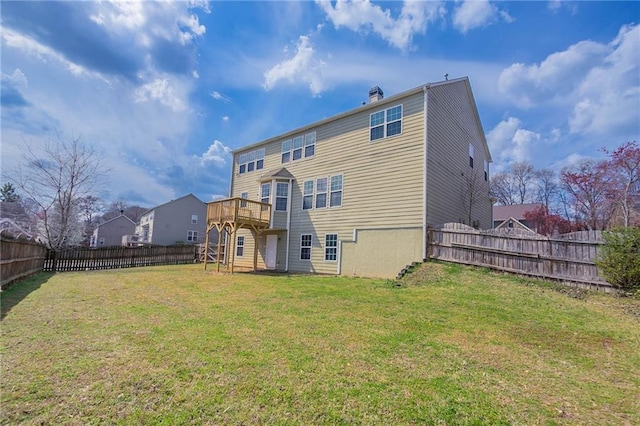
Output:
x=375 y=94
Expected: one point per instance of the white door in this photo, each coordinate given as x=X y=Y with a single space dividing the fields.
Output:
x=272 y=250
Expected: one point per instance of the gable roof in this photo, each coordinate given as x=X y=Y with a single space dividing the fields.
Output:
x=515 y=211
x=115 y=218
x=371 y=106
x=277 y=173
x=169 y=202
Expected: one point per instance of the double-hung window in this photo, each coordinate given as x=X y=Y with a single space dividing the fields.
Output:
x=240 y=247
x=297 y=148
x=385 y=123
x=265 y=192
x=307 y=195
x=194 y=219
x=192 y=236
x=305 y=247
x=486 y=170
x=471 y=155
x=331 y=247
x=282 y=195
x=336 y=191
x=309 y=144
x=321 y=193
x=244 y=196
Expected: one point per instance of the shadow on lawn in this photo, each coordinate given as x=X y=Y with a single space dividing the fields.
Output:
x=21 y=289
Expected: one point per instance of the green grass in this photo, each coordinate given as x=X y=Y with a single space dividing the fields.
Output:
x=450 y=346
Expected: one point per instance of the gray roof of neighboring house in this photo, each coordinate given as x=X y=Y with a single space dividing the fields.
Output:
x=169 y=202
x=515 y=211
x=115 y=218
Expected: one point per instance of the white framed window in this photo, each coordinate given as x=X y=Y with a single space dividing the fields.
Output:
x=194 y=219
x=471 y=150
x=265 y=192
x=335 y=199
x=192 y=235
x=331 y=247
x=282 y=195
x=307 y=195
x=309 y=144
x=303 y=146
x=286 y=151
x=244 y=196
x=305 y=247
x=240 y=246
x=321 y=193
x=101 y=241
x=385 y=123
x=486 y=170
x=250 y=161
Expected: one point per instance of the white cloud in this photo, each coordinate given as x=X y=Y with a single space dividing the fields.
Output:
x=302 y=67
x=477 y=13
x=609 y=95
x=509 y=142
x=160 y=90
x=17 y=78
x=217 y=153
x=362 y=16
x=219 y=96
x=225 y=118
x=557 y=76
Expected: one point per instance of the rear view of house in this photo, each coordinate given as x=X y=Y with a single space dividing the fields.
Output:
x=355 y=193
x=110 y=233
x=180 y=221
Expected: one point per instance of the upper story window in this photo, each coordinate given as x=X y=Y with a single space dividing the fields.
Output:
x=250 y=161
x=385 y=123
x=299 y=147
x=244 y=196
x=471 y=155
x=486 y=170
x=316 y=191
x=194 y=218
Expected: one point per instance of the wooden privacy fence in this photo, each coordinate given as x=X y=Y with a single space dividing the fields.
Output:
x=19 y=258
x=82 y=259
x=569 y=258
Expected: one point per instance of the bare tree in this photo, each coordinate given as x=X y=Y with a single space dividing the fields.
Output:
x=57 y=178
x=587 y=185
x=473 y=191
x=546 y=186
x=502 y=188
x=523 y=177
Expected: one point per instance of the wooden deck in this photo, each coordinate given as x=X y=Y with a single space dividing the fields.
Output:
x=231 y=214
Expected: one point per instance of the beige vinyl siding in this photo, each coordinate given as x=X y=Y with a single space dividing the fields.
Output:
x=382 y=181
x=451 y=128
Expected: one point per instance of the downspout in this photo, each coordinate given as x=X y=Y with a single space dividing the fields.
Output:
x=425 y=216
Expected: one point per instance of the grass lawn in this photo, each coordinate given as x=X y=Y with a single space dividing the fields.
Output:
x=450 y=345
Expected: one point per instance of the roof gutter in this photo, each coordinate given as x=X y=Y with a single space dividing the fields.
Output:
x=425 y=217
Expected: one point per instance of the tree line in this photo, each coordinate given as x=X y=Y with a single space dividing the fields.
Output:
x=51 y=193
x=590 y=194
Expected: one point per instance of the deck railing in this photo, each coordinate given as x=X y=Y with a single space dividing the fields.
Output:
x=239 y=210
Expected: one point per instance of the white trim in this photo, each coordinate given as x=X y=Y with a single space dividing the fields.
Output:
x=425 y=205
x=290 y=202
x=310 y=259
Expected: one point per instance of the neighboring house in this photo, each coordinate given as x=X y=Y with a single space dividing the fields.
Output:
x=9 y=227
x=513 y=225
x=179 y=221
x=110 y=233
x=354 y=194
x=502 y=214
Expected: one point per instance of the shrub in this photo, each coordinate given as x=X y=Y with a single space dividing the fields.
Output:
x=619 y=258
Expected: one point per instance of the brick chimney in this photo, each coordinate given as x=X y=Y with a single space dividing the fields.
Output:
x=375 y=94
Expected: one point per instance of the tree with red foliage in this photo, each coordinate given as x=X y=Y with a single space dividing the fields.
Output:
x=588 y=186
x=547 y=224
x=623 y=169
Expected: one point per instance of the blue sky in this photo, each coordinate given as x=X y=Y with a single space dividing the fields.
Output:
x=165 y=90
